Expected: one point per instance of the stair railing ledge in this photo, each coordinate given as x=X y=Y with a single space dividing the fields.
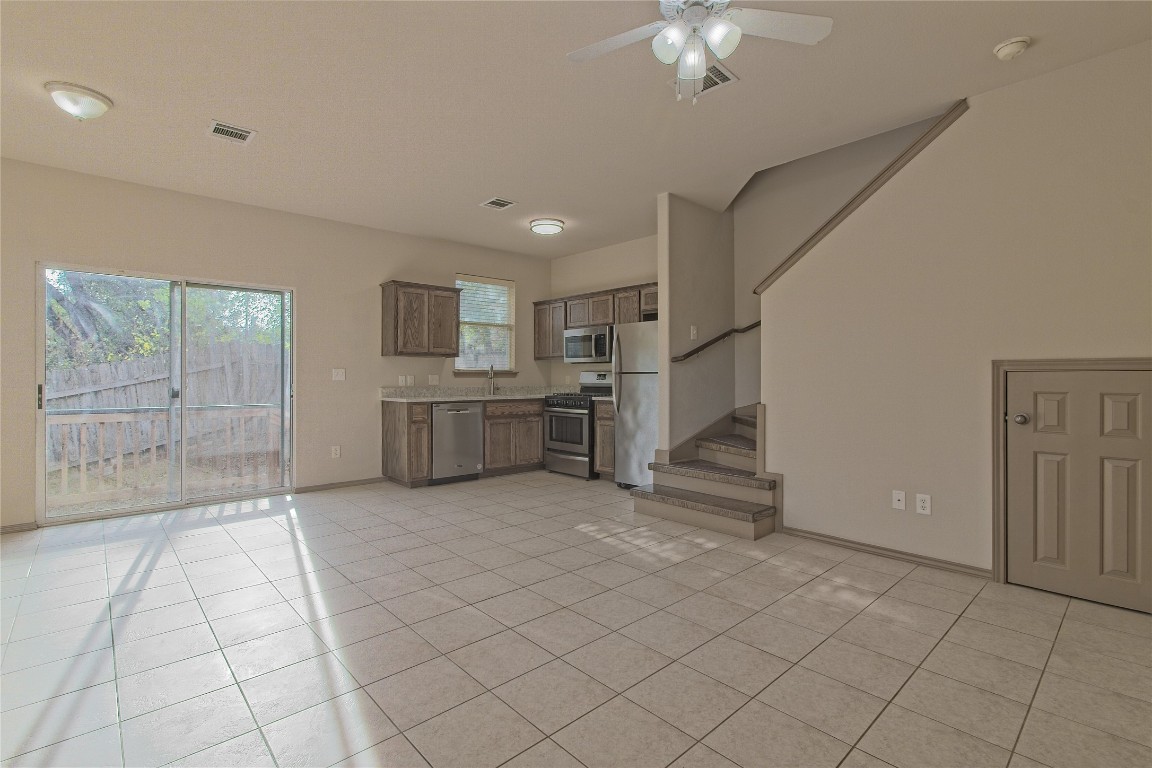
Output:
x=716 y=340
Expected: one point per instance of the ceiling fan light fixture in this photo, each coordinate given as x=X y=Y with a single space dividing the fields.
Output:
x=722 y=36
x=546 y=226
x=692 y=64
x=669 y=42
x=80 y=102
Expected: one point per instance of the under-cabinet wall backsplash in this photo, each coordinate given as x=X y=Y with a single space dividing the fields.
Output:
x=482 y=391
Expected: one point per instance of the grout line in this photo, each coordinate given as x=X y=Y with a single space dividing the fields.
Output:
x=1039 y=681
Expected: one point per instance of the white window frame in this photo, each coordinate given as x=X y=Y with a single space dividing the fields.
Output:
x=510 y=325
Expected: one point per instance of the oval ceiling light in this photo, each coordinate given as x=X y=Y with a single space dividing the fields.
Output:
x=670 y=41
x=722 y=36
x=80 y=102
x=547 y=226
x=692 y=65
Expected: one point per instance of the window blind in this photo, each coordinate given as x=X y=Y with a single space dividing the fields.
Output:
x=487 y=323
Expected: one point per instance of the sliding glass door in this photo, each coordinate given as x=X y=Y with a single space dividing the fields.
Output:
x=156 y=392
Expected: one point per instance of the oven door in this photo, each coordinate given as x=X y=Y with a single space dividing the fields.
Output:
x=566 y=429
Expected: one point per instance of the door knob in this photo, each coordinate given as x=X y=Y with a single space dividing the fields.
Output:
x=1020 y=418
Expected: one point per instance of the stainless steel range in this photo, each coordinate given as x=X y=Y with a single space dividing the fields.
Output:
x=568 y=428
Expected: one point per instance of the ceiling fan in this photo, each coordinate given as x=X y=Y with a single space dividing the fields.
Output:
x=690 y=27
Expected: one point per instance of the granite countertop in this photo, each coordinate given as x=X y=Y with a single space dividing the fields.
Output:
x=448 y=398
x=470 y=394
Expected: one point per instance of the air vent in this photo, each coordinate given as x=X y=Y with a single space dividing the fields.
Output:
x=231 y=132
x=498 y=203
x=715 y=76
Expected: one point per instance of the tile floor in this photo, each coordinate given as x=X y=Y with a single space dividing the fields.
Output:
x=536 y=620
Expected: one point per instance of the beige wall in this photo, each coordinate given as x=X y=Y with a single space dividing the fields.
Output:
x=780 y=208
x=335 y=269
x=629 y=263
x=1022 y=232
x=695 y=269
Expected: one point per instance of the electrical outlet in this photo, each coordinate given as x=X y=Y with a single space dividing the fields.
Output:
x=923 y=504
x=433 y=380
x=897 y=499
x=401 y=377
x=337 y=374
x=691 y=332
x=410 y=381
x=567 y=380
x=335 y=451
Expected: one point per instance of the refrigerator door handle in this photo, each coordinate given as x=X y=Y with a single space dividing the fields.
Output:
x=616 y=357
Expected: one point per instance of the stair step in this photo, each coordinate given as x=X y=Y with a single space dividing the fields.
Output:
x=745 y=420
x=737 y=445
x=746 y=511
x=707 y=470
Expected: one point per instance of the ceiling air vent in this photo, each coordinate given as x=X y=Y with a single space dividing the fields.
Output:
x=231 y=132
x=715 y=76
x=498 y=203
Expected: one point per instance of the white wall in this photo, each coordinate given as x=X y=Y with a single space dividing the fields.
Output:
x=1022 y=232
x=695 y=271
x=335 y=269
x=782 y=207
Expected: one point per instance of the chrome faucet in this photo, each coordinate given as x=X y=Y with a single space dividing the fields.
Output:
x=491 y=379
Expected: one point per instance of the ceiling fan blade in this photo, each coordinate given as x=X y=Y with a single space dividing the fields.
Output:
x=618 y=41
x=791 y=27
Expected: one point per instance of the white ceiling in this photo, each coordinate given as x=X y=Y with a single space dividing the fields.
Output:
x=406 y=115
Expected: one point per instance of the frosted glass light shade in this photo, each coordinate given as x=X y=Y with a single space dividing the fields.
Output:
x=668 y=44
x=80 y=102
x=722 y=36
x=692 y=65
x=547 y=226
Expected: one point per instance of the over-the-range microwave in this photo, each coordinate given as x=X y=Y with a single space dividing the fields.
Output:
x=588 y=345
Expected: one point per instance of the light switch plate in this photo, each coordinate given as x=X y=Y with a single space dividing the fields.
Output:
x=338 y=374
x=897 y=499
x=691 y=332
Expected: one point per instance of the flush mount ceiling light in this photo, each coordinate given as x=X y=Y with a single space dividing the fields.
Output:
x=80 y=102
x=1011 y=48
x=693 y=27
x=547 y=226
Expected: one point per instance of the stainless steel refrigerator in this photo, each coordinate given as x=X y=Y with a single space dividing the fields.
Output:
x=636 y=395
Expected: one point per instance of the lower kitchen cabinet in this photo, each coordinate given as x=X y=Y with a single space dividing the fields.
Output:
x=406 y=443
x=513 y=434
x=605 y=449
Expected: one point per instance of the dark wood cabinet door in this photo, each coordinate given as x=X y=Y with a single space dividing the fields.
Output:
x=419 y=451
x=411 y=321
x=628 y=307
x=578 y=313
x=542 y=332
x=444 y=323
x=498 y=442
x=605 y=458
x=600 y=310
x=528 y=437
x=559 y=325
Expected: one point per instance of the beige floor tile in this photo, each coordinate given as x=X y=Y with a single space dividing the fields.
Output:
x=181 y=729
x=97 y=749
x=248 y=750
x=249 y=625
x=499 y=658
x=424 y=691
x=239 y=601
x=803 y=562
x=759 y=735
x=33 y=684
x=887 y=565
x=609 y=547
x=611 y=574
x=562 y=631
x=612 y=609
x=782 y=579
x=1132 y=622
x=670 y=635
x=908 y=740
x=453 y=568
x=57 y=620
x=536 y=546
x=1109 y=642
x=1086 y=665
x=395 y=544
x=888 y=639
x=378 y=657
x=948 y=579
x=983 y=670
x=572 y=559
x=264 y=654
x=749 y=594
x=1096 y=707
x=813 y=614
x=776 y=636
x=844 y=596
x=529 y=571
x=1062 y=743
x=396 y=752
x=546 y=754
x=457 y=628
x=692 y=702
x=418 y=556
x=61 y=717
x=148 y=599
x=747 y=669
x=328 y=732
x=1017 y=646
x=934 y=597
x=621 y=733
x=481 y=733
x=701 y=756
x=424 y=604
x=160 y=650
x=160 y=687
x=860 y=759
x=370 y=568
x=566 y=589
x=715 y=613
x=918 y=618
x=759 y=550
x=309 y=583
x=861 y=578
x=656 y=591
x=964 y=707
x=298 y=686
x=867 y=670
x=497 y=556
x=1025 y=597
x=516 y=607
x=384 y=588
x=834 y=707
x=553 y=695
x=1036 y=623
x=722 y=560
x=693 y=576
x=355 y=625
x=321 y=605
x=64 y=644
x=617 y=661
x=481 y=586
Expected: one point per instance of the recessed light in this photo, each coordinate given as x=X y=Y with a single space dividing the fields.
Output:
x=80 y=102
x=547 y=226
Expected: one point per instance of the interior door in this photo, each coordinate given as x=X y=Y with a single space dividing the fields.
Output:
x=1079 y=466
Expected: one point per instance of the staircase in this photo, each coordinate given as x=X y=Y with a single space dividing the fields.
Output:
x=718 y=489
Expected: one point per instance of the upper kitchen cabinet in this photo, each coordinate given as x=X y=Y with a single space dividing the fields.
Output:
x=590 y=310
x=628 y=306
x=550 y=322
x=420 y=320
x=649 y=302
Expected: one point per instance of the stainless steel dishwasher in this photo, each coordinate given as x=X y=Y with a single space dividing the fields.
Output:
x=457 y=440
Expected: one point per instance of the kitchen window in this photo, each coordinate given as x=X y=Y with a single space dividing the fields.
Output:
x=487 y=323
